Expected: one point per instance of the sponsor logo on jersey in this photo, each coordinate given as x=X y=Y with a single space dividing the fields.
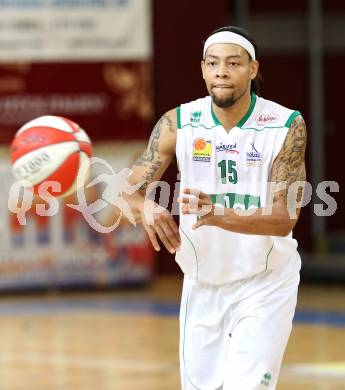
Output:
x=263 y=119
x=202 y=150
x=195 y=116
x=229 y=148
x=266 y=379
x=253 y=156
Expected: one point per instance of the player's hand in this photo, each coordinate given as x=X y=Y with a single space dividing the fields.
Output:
x=198 y=203
x=158 y=222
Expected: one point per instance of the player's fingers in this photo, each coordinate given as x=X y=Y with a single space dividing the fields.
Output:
x=172 y=237
x=206 y=209
x=176 y=232
x=200 y=222
x=195 y=192
x=152 y=236
x=188 y=209
x=163 y=237
x=198 y=210
x=195 y=203
x=168 y=224
x=185 y=200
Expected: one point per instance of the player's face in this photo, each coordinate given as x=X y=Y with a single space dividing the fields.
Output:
x=227 y=71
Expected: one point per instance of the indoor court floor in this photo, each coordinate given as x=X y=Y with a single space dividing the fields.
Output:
x=129 y=340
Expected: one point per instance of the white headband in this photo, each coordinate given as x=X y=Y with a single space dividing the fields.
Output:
x=230 y=37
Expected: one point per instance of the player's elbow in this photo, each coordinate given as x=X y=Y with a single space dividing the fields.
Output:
x=284 y=231
x=284 y=220
x=285 y=228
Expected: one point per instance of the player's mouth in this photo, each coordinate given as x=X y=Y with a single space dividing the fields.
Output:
x=221 y=86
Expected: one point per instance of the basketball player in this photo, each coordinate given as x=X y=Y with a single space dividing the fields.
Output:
x=234 y=244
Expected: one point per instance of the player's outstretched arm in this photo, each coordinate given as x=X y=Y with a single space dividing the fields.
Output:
x=281 y=216
x=150 y=167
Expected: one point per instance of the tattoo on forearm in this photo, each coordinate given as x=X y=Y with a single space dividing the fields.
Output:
x=150 y=173
x=150 y=158
x=289 y=165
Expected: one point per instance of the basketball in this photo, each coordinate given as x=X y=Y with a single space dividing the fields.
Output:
x=50 y=149
x=199 y=144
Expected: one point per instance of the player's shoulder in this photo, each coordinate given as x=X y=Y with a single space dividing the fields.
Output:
x=168 y=120
x=195 y=113
x=269 y=113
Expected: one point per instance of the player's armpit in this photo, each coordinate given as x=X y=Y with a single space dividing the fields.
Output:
x=288 y=171
x=160 y=151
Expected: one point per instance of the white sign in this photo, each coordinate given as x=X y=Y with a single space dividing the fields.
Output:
x=73 y=30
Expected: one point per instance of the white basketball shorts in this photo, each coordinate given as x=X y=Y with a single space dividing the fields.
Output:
x=233 y=336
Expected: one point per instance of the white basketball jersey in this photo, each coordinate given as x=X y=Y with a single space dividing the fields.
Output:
x=234 y=169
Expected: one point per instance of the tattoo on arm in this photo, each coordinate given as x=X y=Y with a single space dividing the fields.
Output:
x=150 y=173
x=289 y=165
x=150 y=159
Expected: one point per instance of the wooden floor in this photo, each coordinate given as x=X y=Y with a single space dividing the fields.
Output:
x=129 y=341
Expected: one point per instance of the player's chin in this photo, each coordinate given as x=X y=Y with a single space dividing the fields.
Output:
x=223 y=101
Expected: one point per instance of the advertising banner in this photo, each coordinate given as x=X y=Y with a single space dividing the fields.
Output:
x=74 y=30
x=89 y=61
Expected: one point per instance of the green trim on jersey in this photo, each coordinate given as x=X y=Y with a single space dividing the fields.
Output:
x=178 y=116
x=263 y=128
x=246 y=116
x=184 y=343
x=196 y=256
x=287 y=124
x=291 y=118
x=197 y=126
x=249 y=112
x=269 y=252
x=215 y=119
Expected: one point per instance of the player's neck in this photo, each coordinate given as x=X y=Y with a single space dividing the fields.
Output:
x=230 y=116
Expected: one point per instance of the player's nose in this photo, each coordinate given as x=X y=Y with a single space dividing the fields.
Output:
x=222 y=72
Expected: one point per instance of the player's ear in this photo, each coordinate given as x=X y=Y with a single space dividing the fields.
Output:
x=254 y=69
x=202 y=64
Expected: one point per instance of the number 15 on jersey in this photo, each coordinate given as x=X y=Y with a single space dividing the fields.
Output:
x=228 y=173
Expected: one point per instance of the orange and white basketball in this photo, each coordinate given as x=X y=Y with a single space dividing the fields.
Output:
x=199 y=144
x=50 y=148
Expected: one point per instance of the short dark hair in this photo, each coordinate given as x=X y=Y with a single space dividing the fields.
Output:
x=255 y=84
